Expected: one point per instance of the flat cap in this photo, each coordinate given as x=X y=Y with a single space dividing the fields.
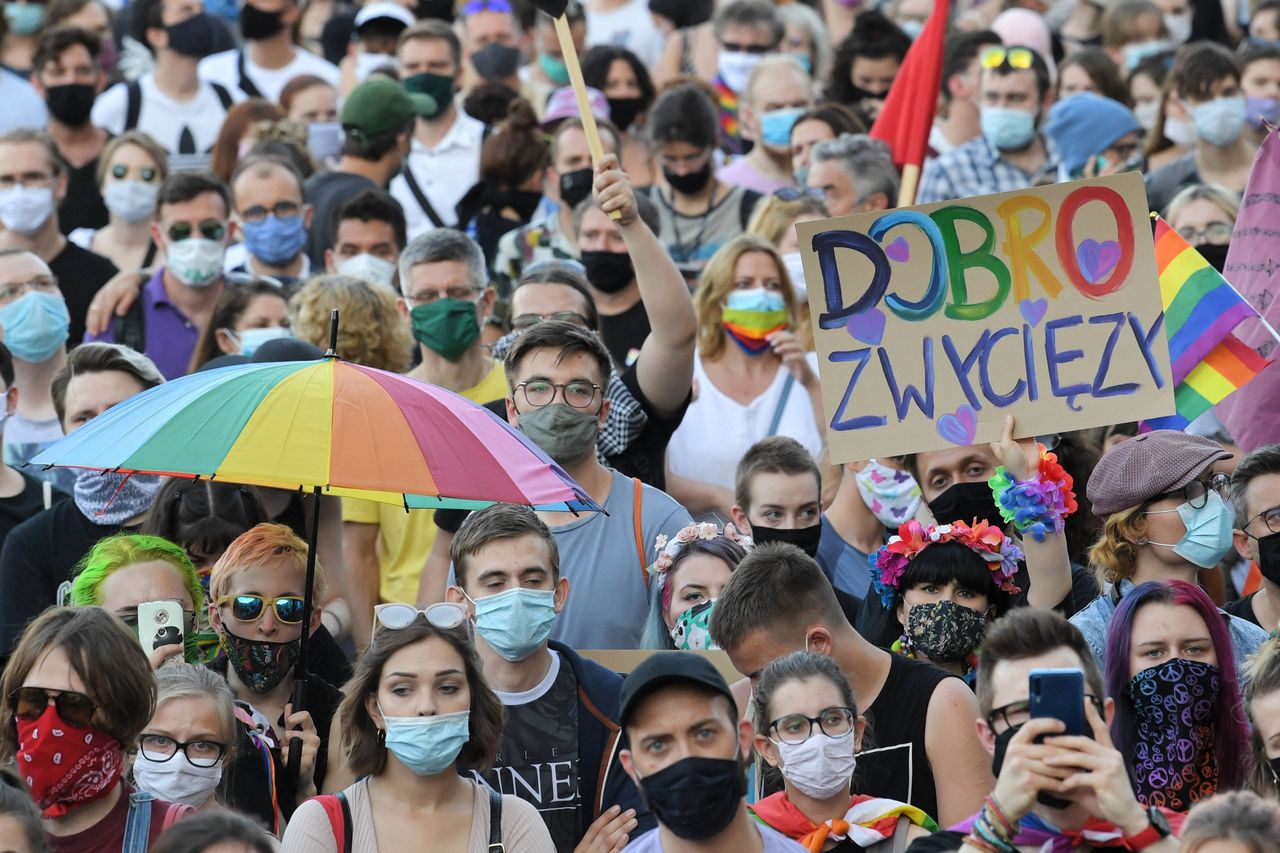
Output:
x=1147 y=465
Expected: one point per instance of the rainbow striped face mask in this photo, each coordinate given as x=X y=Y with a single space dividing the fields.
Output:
x=750 y=316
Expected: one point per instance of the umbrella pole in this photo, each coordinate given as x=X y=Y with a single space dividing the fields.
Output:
x=299 y=699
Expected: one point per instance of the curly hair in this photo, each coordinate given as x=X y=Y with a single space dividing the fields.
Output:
x=372 y=333
x=1113 y=556
x=127 y=549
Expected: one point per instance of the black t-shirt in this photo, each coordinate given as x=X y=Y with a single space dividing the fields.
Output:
x=83 y=206
x=1242 y=608
x=326 y=192
x=80 y=275
x=25 y=504
x=538 y=757
x=625 y=333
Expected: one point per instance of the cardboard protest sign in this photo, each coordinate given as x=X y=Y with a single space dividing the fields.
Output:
x=934 y=322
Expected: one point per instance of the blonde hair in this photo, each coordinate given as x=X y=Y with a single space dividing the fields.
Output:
x=1221 y=196
x=1263 y=673
x=372 y=332
x=1114 y=556
x=717 y=284
x=773 y=216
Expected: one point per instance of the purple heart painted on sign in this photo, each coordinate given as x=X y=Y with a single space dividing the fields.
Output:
x=960 y=426
x=899 y=250
x=1033 y=310
x=1097 y=259
x=867 y=327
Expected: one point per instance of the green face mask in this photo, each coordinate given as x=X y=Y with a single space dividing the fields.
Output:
x=446 y=326
x=564 y=433
x=437 y=86
x=555 y=69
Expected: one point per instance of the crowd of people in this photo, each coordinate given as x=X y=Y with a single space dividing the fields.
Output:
x=1050 y=644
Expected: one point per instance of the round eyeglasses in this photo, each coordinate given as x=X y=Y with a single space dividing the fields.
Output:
x=836 y=721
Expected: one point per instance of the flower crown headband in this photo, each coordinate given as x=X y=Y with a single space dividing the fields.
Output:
x=986 y=540
x=668 y=549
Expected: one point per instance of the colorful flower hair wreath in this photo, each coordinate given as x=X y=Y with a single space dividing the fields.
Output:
x=1037 y=506
x=668 y=549
x=983 y=539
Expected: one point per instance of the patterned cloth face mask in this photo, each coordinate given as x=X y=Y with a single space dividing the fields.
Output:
x=692 y=630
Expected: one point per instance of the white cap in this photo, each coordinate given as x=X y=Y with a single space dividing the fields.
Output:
x=394 y=11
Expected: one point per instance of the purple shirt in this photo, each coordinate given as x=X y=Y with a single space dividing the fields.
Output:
x=171 y=337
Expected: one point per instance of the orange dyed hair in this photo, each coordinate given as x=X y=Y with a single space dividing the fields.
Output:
x=265 y=544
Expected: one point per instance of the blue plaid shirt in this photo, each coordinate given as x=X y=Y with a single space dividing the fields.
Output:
x=976 y=168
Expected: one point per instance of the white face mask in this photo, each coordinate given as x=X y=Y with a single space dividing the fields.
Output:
x=794 y=263
x=735 y=68
x=822 y=766
x=196 y=261
x=368 y=267
x=1180 y=132
x=132 y=201
x=367 y=63
x=25 y=209
x=177 y=780
x=1146 y=113
x=1179 y=27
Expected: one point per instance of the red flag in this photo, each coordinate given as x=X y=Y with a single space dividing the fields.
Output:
x=907 y=114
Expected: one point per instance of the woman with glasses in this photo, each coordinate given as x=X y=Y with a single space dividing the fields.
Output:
x=1205 y=215
x=256 y=609
x=753 y=375
x=1179 y=721
x=75 y=696
x=807 y=726
x=123 y=571
x=417 y=707
x=1164 y=517
x=130 y=171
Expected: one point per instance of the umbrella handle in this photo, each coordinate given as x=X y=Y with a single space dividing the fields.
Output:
x=293 y=765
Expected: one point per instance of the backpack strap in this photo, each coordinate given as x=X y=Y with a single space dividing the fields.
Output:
x=421 y=197
x=242 y=78
x=638 y=527
x=895 y=843
x=495 y=822
x=137 y=824
x=133 y=104
x=224 y=96
x=338 y=810
x=46 y=489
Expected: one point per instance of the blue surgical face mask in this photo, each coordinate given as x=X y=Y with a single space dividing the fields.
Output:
x=427 y=745
x=1008 y=129
x=1208 y=536
x=912 y=28
x=775 y=126
x=802 y=176
x=805 y=62
x=1220 y=121
x=755 y=299
x=251 y=340
x=275 y=240
x=516 y=622
x=24 y=20
x=1135 y=53
x=35 y=325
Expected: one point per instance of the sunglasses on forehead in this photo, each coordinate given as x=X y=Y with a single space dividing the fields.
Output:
x=499 y=6
x=1015 y=57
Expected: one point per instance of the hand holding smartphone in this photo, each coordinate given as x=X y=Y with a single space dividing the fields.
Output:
x=1059 y=694
x=160 y=624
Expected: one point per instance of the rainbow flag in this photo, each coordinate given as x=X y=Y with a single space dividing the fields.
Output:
x=1228 y=366
x=1200 y=308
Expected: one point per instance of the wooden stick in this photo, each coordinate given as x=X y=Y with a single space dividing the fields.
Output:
x=910 y=181
x=580 y=91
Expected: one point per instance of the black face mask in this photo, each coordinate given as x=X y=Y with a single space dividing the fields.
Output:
x=256 y=24
x=496 y=61
x=442 y=9
x=623 y=111
x=71 y=104
x=192 y=37
x=691 y=183
x=861 y=94
x=608 y=272
x=696 y=798
x=523 y=202
x=1215 y=254
x=1269 y=557
x=965 y=502
x=804 y=538
x=575 y=186
x=1044 y=798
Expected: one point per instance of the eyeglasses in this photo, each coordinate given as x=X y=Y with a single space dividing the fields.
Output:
x=75 y=709
x=249 y=608
x=210 y=229
x=797 y=193
x=1021 y=712
x=1270 y=517
x=1196 y=492
x=43 y=284
x=148 y=173
x=201 y=753
x=540 y=392
x=26 y=179
x=443 y=614
x=282 y=210
x=735 y=47
x=525 y=322
x=1015 y=57
x=797 y=728
x=460 y=292
x=1214 y=232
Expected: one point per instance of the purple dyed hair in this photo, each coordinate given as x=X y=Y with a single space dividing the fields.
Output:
x=725 y=549
x=1231 y=734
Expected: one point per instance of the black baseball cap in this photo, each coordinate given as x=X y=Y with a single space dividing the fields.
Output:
x=663 y=668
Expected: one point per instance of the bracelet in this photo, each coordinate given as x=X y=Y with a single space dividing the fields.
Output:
x=1001 y=822
x=1039 y=505
x=974 y=840
x=989 y=835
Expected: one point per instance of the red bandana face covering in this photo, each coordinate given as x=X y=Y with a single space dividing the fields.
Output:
x=65 y=766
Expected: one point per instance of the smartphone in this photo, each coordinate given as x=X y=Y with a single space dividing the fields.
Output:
x=159 y=624
x=1059 y=694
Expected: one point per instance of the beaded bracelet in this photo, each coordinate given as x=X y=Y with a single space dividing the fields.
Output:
x=1039 y=505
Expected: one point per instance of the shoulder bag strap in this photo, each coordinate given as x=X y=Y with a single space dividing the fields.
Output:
x=137 y=824
x=133 y=104
x=224 y=96
x=900 y=834
x=637 y=519
x=346 y=821
x=421 y=197
x=246 y=85
x=495 y=822
x=782 y=405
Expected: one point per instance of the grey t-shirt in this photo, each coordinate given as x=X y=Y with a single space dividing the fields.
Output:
x=601 y=557
x=774 y=842
x=24 y=438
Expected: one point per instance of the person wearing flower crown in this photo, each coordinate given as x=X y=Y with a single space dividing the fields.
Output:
x=945 y=582
x=689 y=571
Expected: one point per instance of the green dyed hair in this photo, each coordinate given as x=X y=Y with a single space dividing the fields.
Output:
x=127 y=549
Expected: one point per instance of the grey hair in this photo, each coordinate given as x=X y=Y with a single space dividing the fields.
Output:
x=440 y=245
x=1259 y=463
x=808 y=19
x=1241 y=816
x=749 y=13
x=797 y=666
x=868 y=161
x=184 y=681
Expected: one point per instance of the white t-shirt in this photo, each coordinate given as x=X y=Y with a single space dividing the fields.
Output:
x=630 y=26
x=180 y=127
x=224 y=68
x=444 y=174
x=717 y=430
